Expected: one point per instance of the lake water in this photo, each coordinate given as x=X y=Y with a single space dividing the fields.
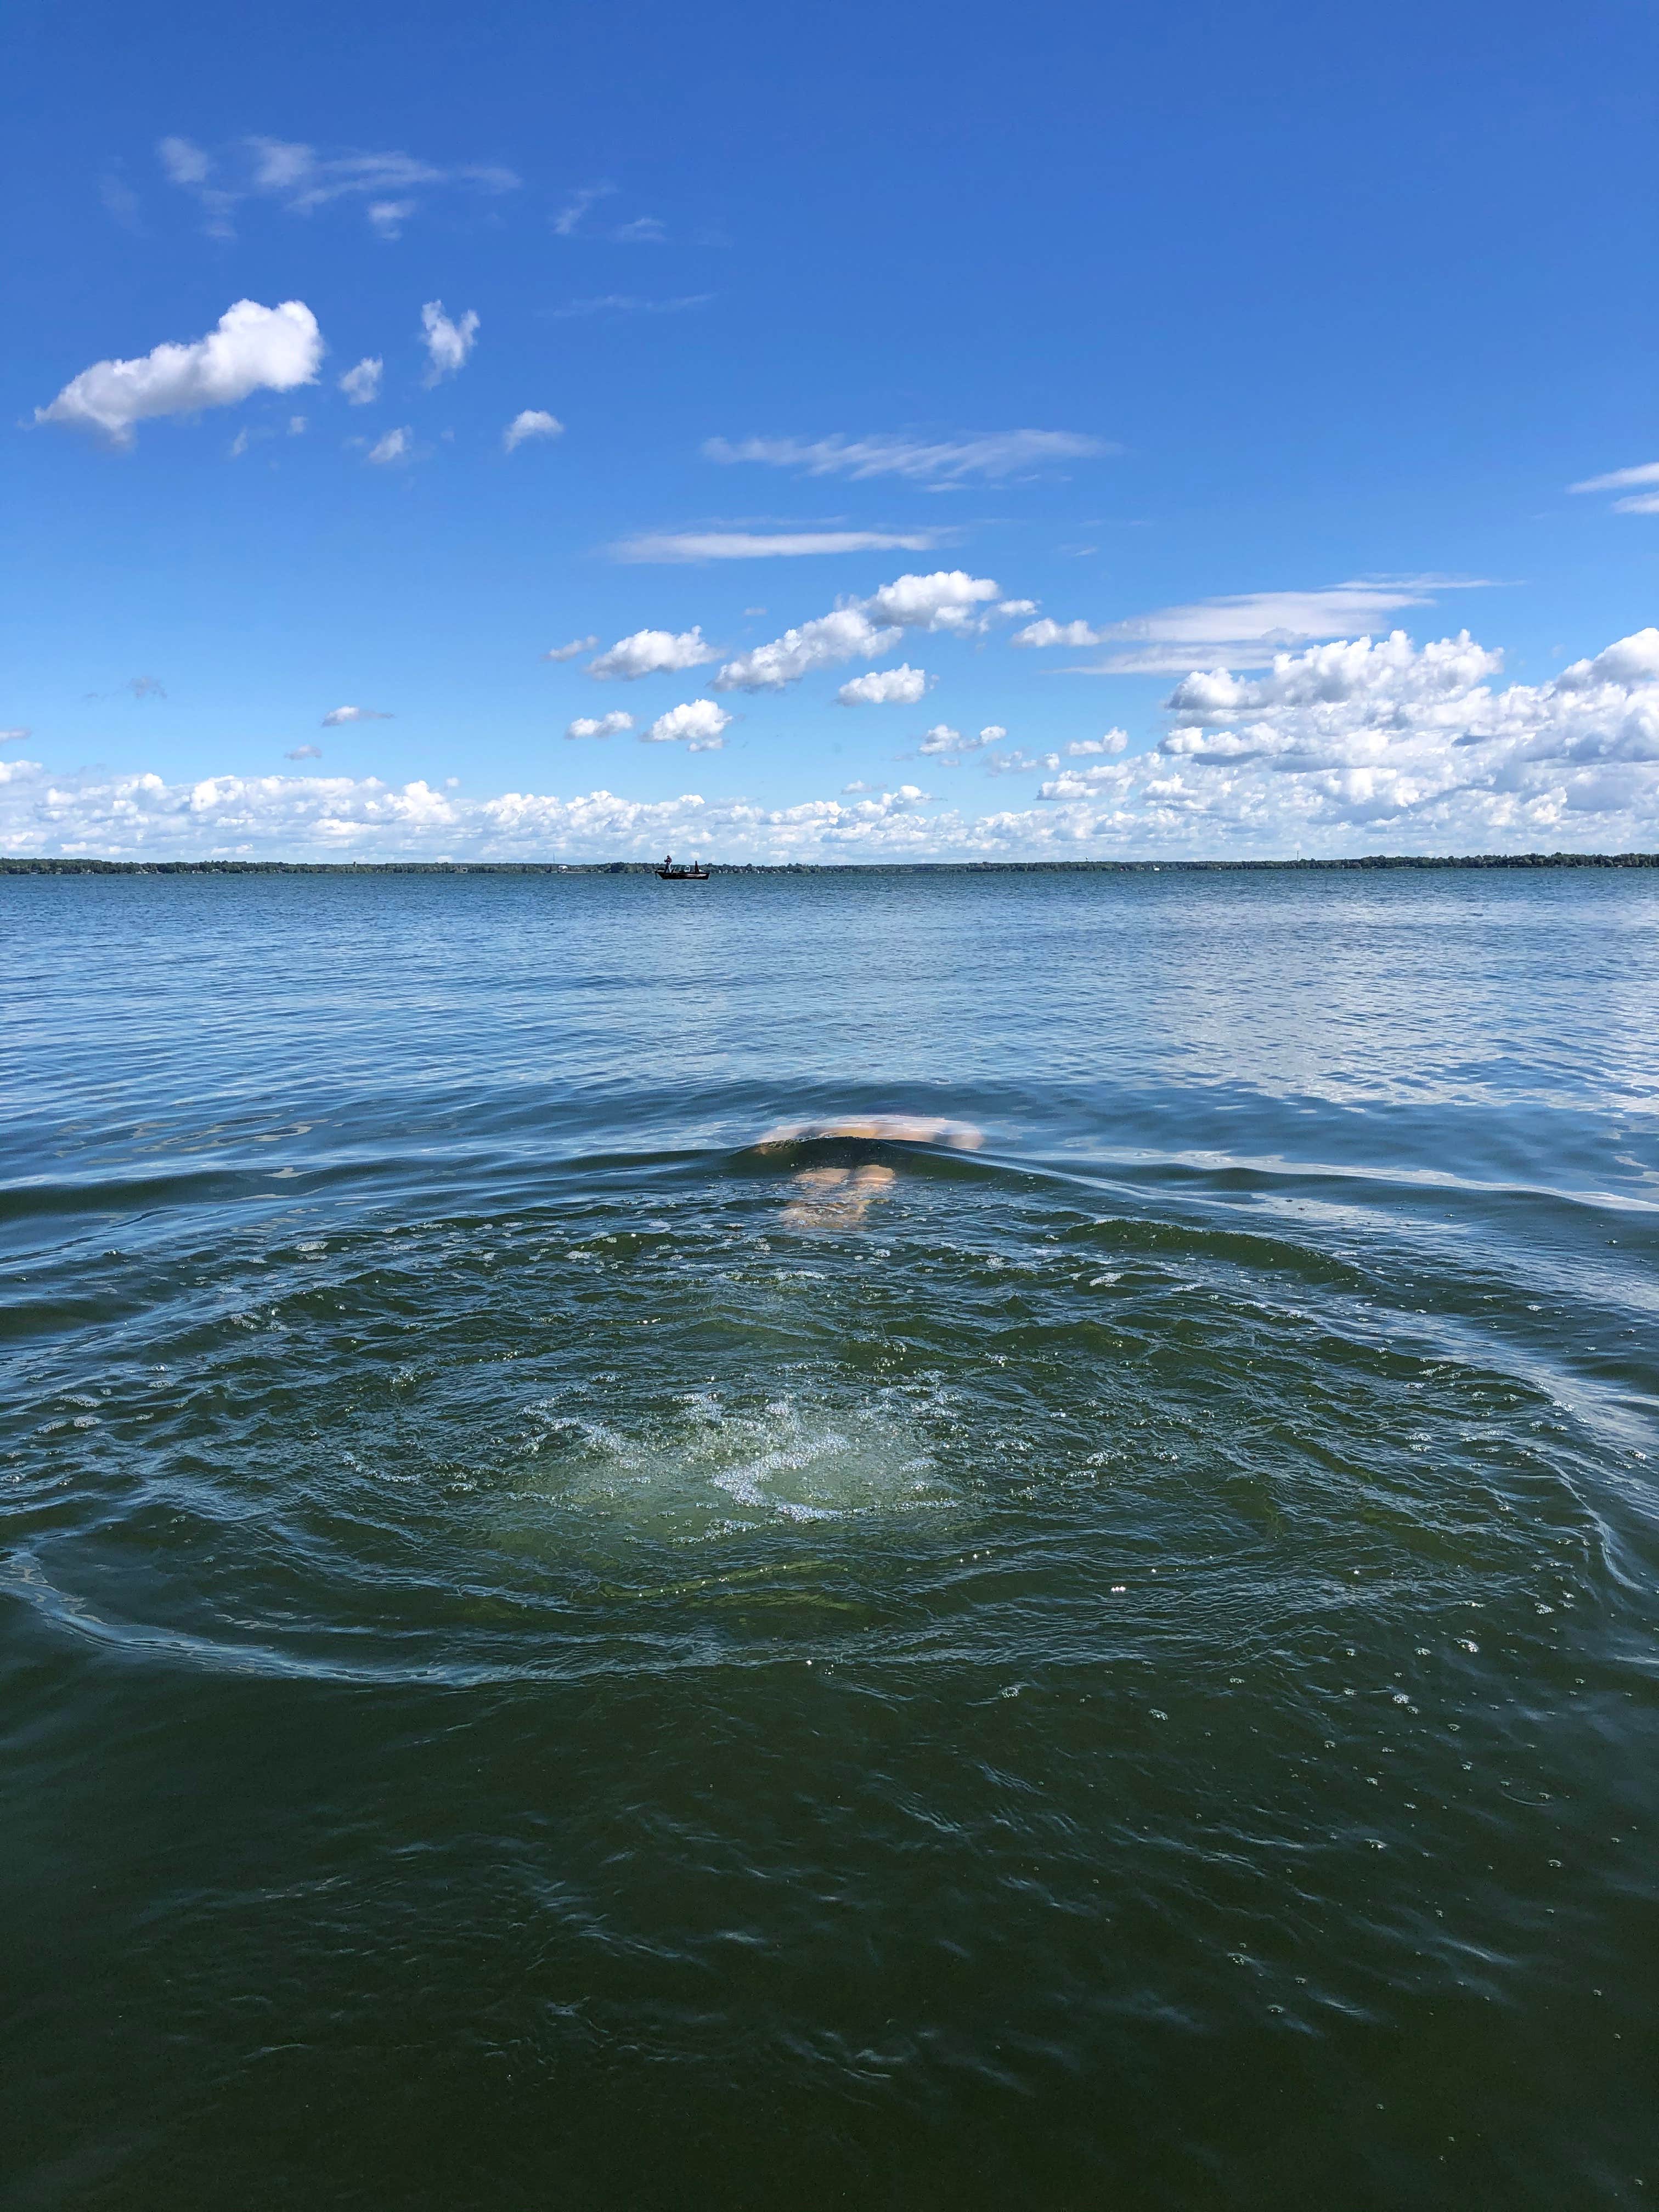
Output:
x=553 y=1655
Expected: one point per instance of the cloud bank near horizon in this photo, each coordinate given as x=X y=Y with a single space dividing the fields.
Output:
x=1358 y=746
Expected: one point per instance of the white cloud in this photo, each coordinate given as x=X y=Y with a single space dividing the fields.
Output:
x=184 y=162
x=362 y=383
x=1114 y=741
x=948 y=745
x=759 y=546
x=625 y=303
x=1245 y=629
x=651 y=653
x=602 y=725
x=397 y=446
x=305 y=752
x=531 y=422
x=301 y=180
x=1014 y=608
x=1048 y=632
x=576 y=646
x=699 y=721
x=337 y=716
x=1020 y=762
x=885 y=687
x=992 y=455
x=448 y=343
x=944 y=601
x=947 y=600
x=1621 y=479
x=568 y=221
x=644 y=230
x=1353 y=747
x=296 y=426
x=16 y=736
x=253 y=348
x=842 y=635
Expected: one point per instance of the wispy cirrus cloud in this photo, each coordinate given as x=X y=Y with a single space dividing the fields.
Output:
x=988 y=455
x=626 y=303
x=696 y=545
x=337 y=717
x=577 y=647
x=296 y=178
x=1644 y=502
x=1247 y=628
x=571 y=220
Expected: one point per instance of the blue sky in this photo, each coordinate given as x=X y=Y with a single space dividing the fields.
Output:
x=1150 y=341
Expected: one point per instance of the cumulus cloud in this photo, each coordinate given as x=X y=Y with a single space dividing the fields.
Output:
x=860 y=628
x=531 y=422
x=1020 y=762
x=602 y=725
x=362 y=383
x=305 y=752
x=947 y=600
x=949 y=745
x=295 y=177
x=987 y=455
x=1245 y=629
x=252 y=348
x=576 y=646
x=1048 y=632
x=448 y=343
x=651 y=653
x=764 y=546
x=699 y=721
x=885 y=687
x=336 y=717
x=1360 y=745
x=397 y=446
x=843 y=635
x=1114 y=741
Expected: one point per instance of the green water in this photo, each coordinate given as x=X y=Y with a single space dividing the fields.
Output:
x=554 y=1654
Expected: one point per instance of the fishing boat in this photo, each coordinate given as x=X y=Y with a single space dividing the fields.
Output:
x=668 y=873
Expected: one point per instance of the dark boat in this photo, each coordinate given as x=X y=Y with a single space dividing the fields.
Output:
x=668 y=873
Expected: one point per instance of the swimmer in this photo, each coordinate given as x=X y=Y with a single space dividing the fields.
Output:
x=878 y=1128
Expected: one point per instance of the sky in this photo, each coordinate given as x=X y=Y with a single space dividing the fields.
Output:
x=843 y=434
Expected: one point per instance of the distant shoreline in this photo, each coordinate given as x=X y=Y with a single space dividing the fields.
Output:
x=50 y=865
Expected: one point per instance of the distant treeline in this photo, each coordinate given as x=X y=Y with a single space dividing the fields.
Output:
x=64 y=866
